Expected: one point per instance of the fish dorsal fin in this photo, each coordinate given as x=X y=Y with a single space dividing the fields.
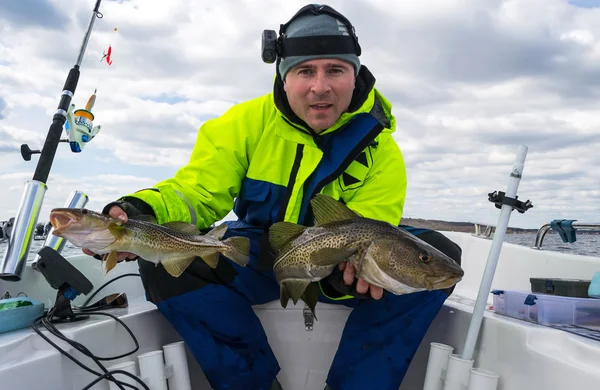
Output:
x=326 y=209
x=282 y=232
x=182 y=227
x=145 y=218
x=218 y=231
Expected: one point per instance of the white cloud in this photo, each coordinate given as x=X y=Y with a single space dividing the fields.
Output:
x=469 y=81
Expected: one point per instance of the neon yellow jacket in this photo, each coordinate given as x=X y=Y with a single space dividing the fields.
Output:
x=255 y=156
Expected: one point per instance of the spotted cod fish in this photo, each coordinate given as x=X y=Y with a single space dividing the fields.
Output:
x=173 y=244
x=384 y=255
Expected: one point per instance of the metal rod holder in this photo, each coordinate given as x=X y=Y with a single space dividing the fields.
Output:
x=19 y=242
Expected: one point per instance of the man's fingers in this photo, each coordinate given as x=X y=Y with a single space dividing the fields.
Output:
x=125 y=256
x=361 y=286
x=117 y=212
x=87 y=252
x=90 y=253
x=376 y=292
x=349 y=274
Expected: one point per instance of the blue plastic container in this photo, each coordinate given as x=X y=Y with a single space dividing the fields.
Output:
x=19 y=317
x=594 y=289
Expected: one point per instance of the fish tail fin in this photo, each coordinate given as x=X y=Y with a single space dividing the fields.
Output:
x=238 y=250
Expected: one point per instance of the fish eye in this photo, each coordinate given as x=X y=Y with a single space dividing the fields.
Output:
x=84 y=211
x=424 y=257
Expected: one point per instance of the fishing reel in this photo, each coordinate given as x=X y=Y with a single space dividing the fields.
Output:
x=80 y=127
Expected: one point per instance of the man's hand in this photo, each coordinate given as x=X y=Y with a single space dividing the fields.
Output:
x=115 y=212
x=361 y=286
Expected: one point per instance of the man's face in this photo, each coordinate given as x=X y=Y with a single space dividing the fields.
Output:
x=319 y=91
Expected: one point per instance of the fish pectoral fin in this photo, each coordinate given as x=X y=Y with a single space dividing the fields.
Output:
x=293 y=289
x=116 y=229
x=110 y=261
x=182 y=227
x=218 y=232
x=176 y=266
x=282 y=232
x=311 y=297
x=326 y=209
x=330 y=256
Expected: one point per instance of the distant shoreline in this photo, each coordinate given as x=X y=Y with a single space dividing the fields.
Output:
x=466 y=227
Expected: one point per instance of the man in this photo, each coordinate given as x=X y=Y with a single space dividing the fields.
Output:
x=323 y=129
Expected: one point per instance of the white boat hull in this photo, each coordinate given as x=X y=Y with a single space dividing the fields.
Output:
x=527 y=356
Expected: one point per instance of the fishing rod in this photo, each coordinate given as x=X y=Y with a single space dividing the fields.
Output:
x=15 y=257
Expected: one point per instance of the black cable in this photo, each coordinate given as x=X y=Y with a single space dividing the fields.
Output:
x=46 y=322
x=86 y=351
x=109 y=373
x=104 y=285
x=41 y=320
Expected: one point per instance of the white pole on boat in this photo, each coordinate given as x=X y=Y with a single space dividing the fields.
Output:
x=492 y=261
x=448 y=371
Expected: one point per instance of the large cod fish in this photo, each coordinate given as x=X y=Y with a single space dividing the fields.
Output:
x=384 y=255
x=173 y=244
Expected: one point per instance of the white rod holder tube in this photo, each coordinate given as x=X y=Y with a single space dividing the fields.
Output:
x=457 y=375
x=436 y=366
x=152 y=370
x=494 y=254
x=177 y=365
x=481 y=379
x=129 y=367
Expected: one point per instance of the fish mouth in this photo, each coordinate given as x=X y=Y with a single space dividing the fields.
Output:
x=441 y=282
x=61 y=220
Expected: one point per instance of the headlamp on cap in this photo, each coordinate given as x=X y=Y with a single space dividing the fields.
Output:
x=275 y=48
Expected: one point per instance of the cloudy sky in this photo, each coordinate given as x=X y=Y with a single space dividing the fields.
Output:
x=469 y=80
